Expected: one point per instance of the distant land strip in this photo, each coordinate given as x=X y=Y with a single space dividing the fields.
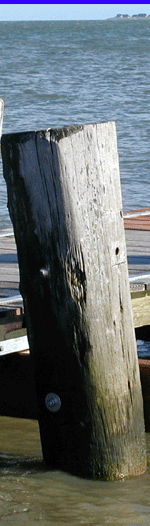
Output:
x=140 y=15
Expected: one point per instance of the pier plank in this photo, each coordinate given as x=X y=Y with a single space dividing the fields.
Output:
x=14 y=345
x=137 y=220
x=9 y=270
x=138 y=251
x=141 y=308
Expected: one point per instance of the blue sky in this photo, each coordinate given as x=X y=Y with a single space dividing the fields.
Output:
x=68 y=11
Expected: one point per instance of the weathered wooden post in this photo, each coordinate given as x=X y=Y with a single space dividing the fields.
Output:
x=65 y=203
x=1 y=115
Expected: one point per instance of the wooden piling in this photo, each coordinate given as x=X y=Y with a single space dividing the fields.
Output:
x=1 y=115
x=65 y=203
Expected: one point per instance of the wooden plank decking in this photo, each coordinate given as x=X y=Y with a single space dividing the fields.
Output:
x=138 y=219
x=9 y=271
x=137 y=230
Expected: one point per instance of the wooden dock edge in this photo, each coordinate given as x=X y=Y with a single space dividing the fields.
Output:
x=140 y=301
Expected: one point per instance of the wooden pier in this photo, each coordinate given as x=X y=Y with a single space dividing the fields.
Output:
x=9 y=270
x=137 y=232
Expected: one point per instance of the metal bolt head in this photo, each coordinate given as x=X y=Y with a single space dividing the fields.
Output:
x=52 y=402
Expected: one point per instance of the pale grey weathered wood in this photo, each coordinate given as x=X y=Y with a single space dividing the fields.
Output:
x=9 y=270
x=68 y=223
x=11 y=301
x=89 y=171
x=138 y=248
x=13 y=345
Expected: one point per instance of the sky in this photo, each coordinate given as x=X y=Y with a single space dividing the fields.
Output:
x=68 y=11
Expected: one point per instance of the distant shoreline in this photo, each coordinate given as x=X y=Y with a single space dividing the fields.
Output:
x=141 y=16
x=122 y=17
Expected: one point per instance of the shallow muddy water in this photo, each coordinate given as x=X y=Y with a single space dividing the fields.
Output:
x=30 y=493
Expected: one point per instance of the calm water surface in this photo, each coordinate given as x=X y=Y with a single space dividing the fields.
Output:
x=59 y=73
x=29 y=493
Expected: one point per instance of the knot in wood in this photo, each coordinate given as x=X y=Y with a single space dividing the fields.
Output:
x=76 y=277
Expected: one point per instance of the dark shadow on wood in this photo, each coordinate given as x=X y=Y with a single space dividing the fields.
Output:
x=17 y=387
x=51 y=266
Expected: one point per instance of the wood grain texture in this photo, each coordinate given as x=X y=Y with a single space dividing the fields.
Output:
x=65 y=203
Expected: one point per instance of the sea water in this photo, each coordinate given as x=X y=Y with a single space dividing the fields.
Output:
x=32 y=494
x=62 y=73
